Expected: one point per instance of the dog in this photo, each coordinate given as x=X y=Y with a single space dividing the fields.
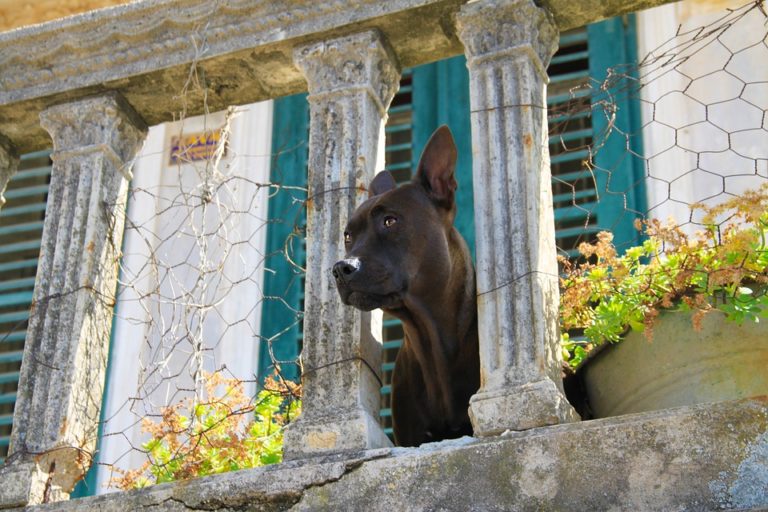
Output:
x=404 y=255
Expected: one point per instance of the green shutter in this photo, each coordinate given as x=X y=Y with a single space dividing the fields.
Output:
x=21 y=228
x=611 y=194
x=619 y=175
x=399 y=154
x=281 y=326
x=441 y=96
x=570 y=124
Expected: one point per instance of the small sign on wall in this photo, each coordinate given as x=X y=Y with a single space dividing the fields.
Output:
x=194 y=147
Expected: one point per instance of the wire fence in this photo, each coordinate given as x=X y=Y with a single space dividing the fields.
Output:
x=684 y=126
x=191 y=305
x=209 y=302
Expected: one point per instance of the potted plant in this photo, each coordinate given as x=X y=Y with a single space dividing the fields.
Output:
x=678 y=320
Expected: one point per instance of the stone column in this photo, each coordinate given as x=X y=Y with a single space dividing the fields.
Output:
x=351 y=81
x=66 y=349
x=508 y=44
x=9 y=162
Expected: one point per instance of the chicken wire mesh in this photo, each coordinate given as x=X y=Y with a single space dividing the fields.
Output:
x=684 y=126
x=191 y=304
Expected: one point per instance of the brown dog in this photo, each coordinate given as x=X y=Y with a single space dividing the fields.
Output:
x=405 y=257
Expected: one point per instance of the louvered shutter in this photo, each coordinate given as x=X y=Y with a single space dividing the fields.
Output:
x=281 y=325
x=21 y=228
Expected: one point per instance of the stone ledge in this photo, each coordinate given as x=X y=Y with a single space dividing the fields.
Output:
x=707 y=457
x=145 y=50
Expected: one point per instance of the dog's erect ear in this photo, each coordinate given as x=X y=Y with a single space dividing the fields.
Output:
x=437 y=165
x=383 y=182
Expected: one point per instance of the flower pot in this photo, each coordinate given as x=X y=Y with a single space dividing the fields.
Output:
x=680 y=366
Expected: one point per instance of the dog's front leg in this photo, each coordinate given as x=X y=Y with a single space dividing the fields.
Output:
x=409 y=401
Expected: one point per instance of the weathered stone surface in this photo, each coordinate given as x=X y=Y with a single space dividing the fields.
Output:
x=351 y=82
x=65 y=352
x=21 y=482
x=145 y=50
x=9 y=162
x=710 y=457
x=508 y=46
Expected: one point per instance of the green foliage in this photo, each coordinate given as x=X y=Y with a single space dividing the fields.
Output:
x=226 y=432
x=723 y=267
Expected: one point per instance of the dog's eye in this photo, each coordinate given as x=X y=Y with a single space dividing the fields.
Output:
x=347 y=237
x=389 y=221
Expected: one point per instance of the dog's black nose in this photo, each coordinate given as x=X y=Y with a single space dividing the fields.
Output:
x=344 y=269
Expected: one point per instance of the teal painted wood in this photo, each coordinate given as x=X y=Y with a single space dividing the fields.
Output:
x=283 y=283
x=16 y=284
x=9 y=377
x=20 y=237
x=612 y=43
x=21 y=228
x=16 y=298
x=11 y=357
x=29 y=208
x=441 y=96
x=13 y=337
x=87 y=486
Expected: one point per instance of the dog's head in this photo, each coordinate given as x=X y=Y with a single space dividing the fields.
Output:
x=397 y=242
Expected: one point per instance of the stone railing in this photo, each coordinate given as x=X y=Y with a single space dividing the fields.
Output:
x=94 y=82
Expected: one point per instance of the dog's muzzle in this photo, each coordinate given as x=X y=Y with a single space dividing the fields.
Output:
x=345 y=269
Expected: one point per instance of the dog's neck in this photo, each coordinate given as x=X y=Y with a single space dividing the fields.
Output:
x=436 y=327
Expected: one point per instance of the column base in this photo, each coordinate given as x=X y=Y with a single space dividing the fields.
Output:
x=523 y=407
x=24 y=483
x=328 y=435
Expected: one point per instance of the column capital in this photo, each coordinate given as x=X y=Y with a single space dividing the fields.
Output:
x=106 y=121
x=361 y=61
x=8 y=152
x=9 y=162
x=491 y=28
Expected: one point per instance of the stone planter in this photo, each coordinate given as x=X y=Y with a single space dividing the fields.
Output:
x=681 y=366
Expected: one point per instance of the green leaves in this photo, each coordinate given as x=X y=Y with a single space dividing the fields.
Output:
x=225 y=432
x=745 y=306
x=723 y=267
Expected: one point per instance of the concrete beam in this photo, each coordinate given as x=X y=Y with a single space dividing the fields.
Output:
x=243 y=49
x=708 y=457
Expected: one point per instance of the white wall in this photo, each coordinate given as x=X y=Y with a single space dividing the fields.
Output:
x=187 y=299
x=715 y=91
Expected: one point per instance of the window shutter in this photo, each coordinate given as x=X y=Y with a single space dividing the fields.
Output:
x=21 y=228
x=281 y=325
x=573 y=190
x=620 y=176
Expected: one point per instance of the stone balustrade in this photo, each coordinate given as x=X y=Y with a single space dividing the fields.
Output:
x=94 y=81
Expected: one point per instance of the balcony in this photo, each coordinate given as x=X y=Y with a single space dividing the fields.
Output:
x=92 y=83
